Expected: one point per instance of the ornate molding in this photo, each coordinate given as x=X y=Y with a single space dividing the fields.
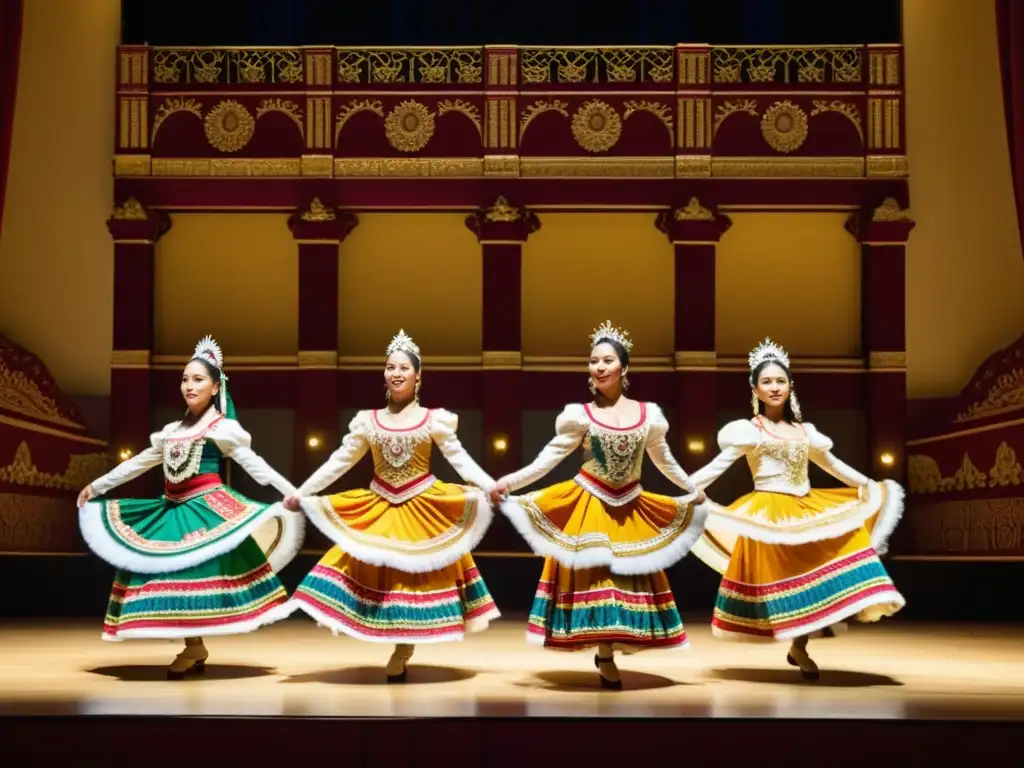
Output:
x=889 y=360
x=784 y=126
x=985 y=526
x=502 y=360
x=693 y=211
x=317 y=211
x=925 y=477
x=596 y=126
x=326 y=358
x=890 y=211
x=20 y=394
x=502 y=211
x=82 y=469
x=130 y=358
x=691 y=359
x=1004 y=396
x=410 y=126
x=130 y=210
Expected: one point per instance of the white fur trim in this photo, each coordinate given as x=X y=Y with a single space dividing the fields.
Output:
x=888 y=516
x=889 y=597
x=293 y=533
x=276 y=613
x=409 y=561
x=99 y=540
x=338 y=628
x=659 y=560
x=728 y=520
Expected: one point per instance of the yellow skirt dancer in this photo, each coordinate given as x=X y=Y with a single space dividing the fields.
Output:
x=796 y=560
x=606 y=540
x=401 y=571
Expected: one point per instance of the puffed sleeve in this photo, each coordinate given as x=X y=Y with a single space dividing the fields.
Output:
x=570 y=427
x=660 y=452
x=153 y=456
x=444 y=427
x=353 y=447
x=821 y=454
x=734 y=440
x=236 y=444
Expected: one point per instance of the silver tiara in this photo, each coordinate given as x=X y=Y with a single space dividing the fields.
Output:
x=209 y=350
x=607 y=331
x=767 y=350
x=403 y=343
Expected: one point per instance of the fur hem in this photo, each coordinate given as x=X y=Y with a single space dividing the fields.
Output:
x=411 y=561
x=340 y=628
x=890 y=600
x=111 y=550
x=726 y=520
x=888 y=516
x=624 y=565
x=275 y=614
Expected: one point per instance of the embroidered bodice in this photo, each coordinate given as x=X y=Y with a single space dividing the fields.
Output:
x=188 y=452
x=612 y=456
x=401 y=457
x=777 y=464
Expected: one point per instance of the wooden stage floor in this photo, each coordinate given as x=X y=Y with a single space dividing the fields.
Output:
x=888 y=671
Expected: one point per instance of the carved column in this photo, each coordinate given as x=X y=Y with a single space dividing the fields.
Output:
x=694 y=231
x=502 y=229
x=135 y=231
x=319 y=231
x=501 y=123
x=882 y=234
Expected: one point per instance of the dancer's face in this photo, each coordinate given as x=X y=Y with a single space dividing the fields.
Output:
x=400 y=377
x=606 y=369
x=772 y=386
x=198 y=388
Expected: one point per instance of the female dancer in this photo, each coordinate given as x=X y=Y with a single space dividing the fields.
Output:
x=605 y=539
x=401 y=571
x=802 y=559
x=187 y=563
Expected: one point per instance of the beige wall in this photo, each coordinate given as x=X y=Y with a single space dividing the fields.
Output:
x=965 y=274
x=56 y=257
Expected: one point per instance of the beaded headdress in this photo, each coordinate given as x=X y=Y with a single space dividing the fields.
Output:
x=607 y=331
x=403 y=343
x=767 y=350
x=209 y=350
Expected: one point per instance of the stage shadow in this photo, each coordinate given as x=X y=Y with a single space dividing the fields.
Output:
x=565 y=680
x=147 y=673
x=419 y=674
x=830 y=678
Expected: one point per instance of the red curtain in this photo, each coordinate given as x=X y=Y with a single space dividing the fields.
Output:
x=1010 y=31
x=10 y=47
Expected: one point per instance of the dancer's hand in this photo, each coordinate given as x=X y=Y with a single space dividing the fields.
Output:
x=292 y=503
x=86 y=495
x=701 y=497
x=500 y=491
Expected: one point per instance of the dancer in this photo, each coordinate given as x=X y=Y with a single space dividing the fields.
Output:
x=187 y=563
x=605 y=539
x=796 y=560
x=401 y=571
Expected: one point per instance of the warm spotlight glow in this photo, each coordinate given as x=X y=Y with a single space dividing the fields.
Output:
x=313 y=442
x=695 y=446
x=125 y=454
x=887 y=459
x=500 y=445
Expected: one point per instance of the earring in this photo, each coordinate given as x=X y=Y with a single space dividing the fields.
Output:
x=593 y=386
x=795 y=405
x=387 y=395
x=755 y=403
x=625 y=383
x=416 y=393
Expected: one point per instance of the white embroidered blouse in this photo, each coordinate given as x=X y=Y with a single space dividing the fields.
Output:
x=777 y=464
x=180 y=451
x=612 y=456
x=401 y=457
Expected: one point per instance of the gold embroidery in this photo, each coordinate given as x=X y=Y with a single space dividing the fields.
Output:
x=82 y=469
x=792 y=454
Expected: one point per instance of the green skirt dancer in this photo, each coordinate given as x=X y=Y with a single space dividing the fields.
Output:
x=188 y=563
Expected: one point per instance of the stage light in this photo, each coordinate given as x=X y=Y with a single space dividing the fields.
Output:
x=500 y=445
x=125 y=454
x=313 y=442
x=887 y=459
x=695 y=446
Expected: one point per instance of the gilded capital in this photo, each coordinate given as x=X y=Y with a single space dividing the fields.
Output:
x=317 y=211
x=502 y=211
x=890 y=210
x=693 y=211
x=130 y=210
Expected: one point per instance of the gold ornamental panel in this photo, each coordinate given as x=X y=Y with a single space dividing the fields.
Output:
x=409 y=126
x=924 y=475
x=784 y=126
x=987 y=526
x=230 y=126
x=596 y=126
x=20 y=394
x=811 y=64
x=432 y=66
x=206 y=66
x=596 y=65
x=82 y=469
x=1006 y=395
